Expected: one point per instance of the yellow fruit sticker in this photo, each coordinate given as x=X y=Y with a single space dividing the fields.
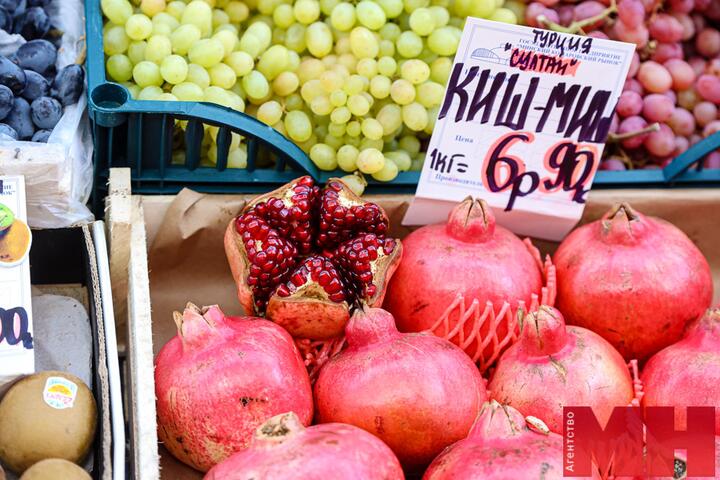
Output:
x=59 y=392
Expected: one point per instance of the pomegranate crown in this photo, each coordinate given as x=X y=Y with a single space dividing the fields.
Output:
x=622 y=225
x=709 y=323
x=471 y=221
x=370 y=325
x=496 y=421
x=278 y=429
x=195 y=323
x=543 y=332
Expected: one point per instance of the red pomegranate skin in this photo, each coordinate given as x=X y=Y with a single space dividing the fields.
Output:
x=500 y=446
x=552 y=366
x=637 y=281
x=283 y=449
x=469 y=255
x=687 y=373
x=220 y=378
x=416 y=392
x=682 y=458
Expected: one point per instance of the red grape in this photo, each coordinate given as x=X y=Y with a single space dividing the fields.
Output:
x=681 y=144
x=665 y=28
x=687 y=99
x=681 y=6
x=708 y=86
x=630 y=103
x=638 y=35
x=654 y=77
x=613 y=164
x=712 y=160
x=707 y=42
x=631 y=12
x=662 y=142
x=666 y=51
x=687 y=23
x=632 y=85
x=681 y=72
x=705 y=112
x=711 y=128
x=631 y=125
x=698 y=65
x=657 y=107
x=682 y=122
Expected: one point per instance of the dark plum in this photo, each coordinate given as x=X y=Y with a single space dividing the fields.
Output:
x=20 y=119
x=35 y=86
x=41 y=136
x=46 y=112
x=11 y=75
x=37 y=55
x=6 y=101
x=6 y=20
x=9 y=5
x=68 y=84
x=34 y=24
x=6 y=129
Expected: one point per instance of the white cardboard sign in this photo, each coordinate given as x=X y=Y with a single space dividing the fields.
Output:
x=522 y=125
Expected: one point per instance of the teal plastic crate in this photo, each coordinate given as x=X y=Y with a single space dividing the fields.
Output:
x=139 y=134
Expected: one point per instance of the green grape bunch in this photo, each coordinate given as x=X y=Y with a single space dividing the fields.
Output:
x=356 y=84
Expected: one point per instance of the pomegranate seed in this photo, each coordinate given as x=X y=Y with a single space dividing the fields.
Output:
x=315 y=269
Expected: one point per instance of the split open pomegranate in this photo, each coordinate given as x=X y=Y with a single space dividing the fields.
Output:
x=304 y=257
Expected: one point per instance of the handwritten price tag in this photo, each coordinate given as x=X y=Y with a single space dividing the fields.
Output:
x=523 y=125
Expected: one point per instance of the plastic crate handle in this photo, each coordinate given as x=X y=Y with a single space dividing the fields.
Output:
x=691 y=156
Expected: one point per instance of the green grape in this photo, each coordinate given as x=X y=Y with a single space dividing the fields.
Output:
x=235 y=101
x=166 y=97
x=363 y=43
x=237 y=158
x=285 y=84
x=147 y=74
x=321 y=105
x=311 y=89
x=440 y=70
x=327 y=6
x=259 y=35
x=184 y=37
x=356 y=84
x=132 y=88
x=380 y=86
x=440 y=15
x=358 y=105
x=422 y=21
x=118 y=11
x=390 y=118
x=347 y=158
x=198 y=75
x=410 y=144
x=432 y=118
x=412 y=5
x=409 y=44
x=237 y=11
x=217 y=95
x=176 y=9
x=206 y=52
x=222 y=76
x=294 y=102
x=219 y=18
x=390 y=31
x=319 y=40
x=504 y=15
x=370 y=143
x=228 y=40
x=310 y=69
x=255 y=85
x=336 y=129
x=119 y=67
x=323 y=156
x=387 y=66
x=238 y=90
x=333 y=142
x=430 y=94
x=188 y=92
x=401 y=158
x=293 y=61
x=342 y=43
x=340 y=115
x=163 y=18
x=320 y=130
x=306 y=11
x=295 y=38
x=415 y=116
x=270 y=112
x=199 y=14
x=370 y=14
x=138 y=27
x=346 y=63
x=136 y=51
x=266 y=7
x=273 y=61
x=387 y=173
x=444 y=41
x=331 y=81
x=174 y=69
x=151 y=92
x=353 y=128
x=297 y=125
x=517 y=7
x=355 y=183
x=370 y=160
x=367 y=67
x=392 y=8
x=343 y=17
x=338 y=98
x=372 y=128
x=241 y=63
x=482 y=8
x=283 y=16
x=386 y=49
x=415 y=71
x=402 y=92
x=158 y=47
x=115 y=40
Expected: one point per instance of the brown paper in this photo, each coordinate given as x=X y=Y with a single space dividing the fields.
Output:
x=187 y=258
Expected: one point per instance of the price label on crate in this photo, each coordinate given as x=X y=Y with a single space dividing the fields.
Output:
x=523 y=125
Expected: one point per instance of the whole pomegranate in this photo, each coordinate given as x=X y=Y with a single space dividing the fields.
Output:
x=681 y=467
x=500 y=446
x=303 y=257
x=469 y=255
x=417 y=392
x=220 y=378
x=687 y=373
x=635 y=280
x=552 y=365
x=283 y=449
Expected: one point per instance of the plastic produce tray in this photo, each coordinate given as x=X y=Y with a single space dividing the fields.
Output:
x=139 y=134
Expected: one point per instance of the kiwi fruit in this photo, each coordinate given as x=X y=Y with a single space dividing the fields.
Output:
x=55 y=469
x=46 y=415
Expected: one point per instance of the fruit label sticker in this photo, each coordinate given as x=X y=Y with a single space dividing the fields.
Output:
x=59 y=392
x=522 y=125
x=16 y=340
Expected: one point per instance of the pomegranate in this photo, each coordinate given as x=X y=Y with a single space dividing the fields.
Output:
x=417 y=392
x=304 y=257
x=220 y=378
x=635 y=280
x=501 y=446
x=469 y=255
x=687 y=373
x=283 y=449
x=681 y=467
x=552 y=365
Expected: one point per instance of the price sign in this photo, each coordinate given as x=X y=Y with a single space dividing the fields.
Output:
x=522 y=125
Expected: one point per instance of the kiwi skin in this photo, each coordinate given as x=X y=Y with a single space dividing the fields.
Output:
x=55 y=469
x=31 y=430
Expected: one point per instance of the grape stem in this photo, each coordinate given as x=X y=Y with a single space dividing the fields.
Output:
x=578 y=26
x=618 y=137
